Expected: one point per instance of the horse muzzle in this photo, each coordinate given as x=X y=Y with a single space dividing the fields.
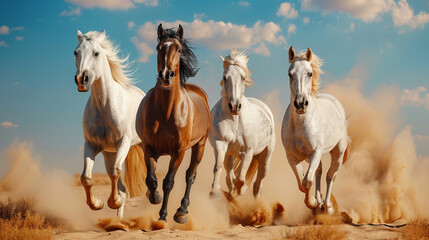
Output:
x=234 y=108
x=82 y=82
x=300 y=106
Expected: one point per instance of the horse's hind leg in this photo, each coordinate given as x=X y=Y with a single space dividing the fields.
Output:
x=337 y=155
x=151 y=181
x=264 y=161
x=181 y=215
x=86 y=178
x=230 y=175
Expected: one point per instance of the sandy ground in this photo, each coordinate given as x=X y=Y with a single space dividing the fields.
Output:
x=133 y=206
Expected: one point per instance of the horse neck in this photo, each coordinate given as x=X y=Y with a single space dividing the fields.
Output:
x=166 y=99
x=104 y=90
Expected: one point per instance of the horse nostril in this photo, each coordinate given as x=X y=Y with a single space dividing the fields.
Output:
x=86 y=79
x=239 y=106
x=171 y=74
x=306 y=103
x=75 y=79
x=160 y=74
x=295 y=103
x=230 y=106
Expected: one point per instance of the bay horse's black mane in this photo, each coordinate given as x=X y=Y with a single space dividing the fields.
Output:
x=188 y=60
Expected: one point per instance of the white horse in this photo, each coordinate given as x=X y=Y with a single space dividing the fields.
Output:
x=109 y=118
x=242 y=131
x=316 y=124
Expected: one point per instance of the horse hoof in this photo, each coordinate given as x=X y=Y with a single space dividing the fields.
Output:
x=180 y=218
x=98 y=205
x=155 y=198
x=214 y=195
x=115 y=204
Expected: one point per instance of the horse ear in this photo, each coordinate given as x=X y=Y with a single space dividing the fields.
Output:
x=180 y=32
x=223 y=59
x=161 y=32
x=309 y=54
x=102 y=35
x=291 y=54
x=79 y=36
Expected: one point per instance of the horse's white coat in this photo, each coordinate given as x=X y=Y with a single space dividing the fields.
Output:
x=110 y=113
x=321 y=129
x=243 y=136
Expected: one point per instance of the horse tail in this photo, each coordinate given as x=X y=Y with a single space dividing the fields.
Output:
x=250 y=172
x=135 y=171
x=347 y=152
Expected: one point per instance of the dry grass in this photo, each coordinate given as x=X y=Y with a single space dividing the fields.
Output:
x=97 y=179
x=415 y=229
x=19 y=220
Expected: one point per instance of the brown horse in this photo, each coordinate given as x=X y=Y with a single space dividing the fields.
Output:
x=173 y=117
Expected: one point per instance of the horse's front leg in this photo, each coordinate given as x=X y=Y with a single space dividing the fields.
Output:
x=114 y=169
x=318 y=186
x=150 y=159
x=307 y=182
x=181 y=215
x=220 y=148
x=239 y=182
x=86 y=178
x=168 y=182
x=297 y=170
x=230 y=175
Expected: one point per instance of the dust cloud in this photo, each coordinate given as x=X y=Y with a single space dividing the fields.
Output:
x=383 y=181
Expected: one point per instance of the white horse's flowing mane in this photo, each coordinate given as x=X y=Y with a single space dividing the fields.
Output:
x=239 y=58
x=316 y=63
x=120 y=67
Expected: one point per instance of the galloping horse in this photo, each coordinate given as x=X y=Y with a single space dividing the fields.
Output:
x=109 y=118
x=314 y=124
x=242 y=130
x=173 y=117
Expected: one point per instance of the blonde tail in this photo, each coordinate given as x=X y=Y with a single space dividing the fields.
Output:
x=135 y=171
x=250 y=172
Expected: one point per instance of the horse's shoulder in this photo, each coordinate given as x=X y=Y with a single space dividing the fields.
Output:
x=263 y=106
x=196 y=89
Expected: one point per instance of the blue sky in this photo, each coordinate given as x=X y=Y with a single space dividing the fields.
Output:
x=39 y=102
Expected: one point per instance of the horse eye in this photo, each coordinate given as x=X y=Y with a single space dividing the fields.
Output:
x=224 y=78
x=310 y=74
x=180 y=51
x=96 y=54
x=242 y=78
x=75 y=52
x=290 y=75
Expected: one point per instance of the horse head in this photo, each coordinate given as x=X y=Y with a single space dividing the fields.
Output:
x=88 y=56
x=303 y=74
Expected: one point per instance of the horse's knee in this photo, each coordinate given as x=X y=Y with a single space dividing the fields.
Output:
x=85 y=180
x=167 y=185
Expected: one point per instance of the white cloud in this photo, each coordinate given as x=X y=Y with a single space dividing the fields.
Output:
x=389 y=45
x=19 y=38
x=306 y=20
x=371 y=10
x=417 y=97
x=16 y=83
x=71 y=12
x=286 y=10
x=131 y=25
x=291 y=28
x=107 y=4
x=366 y=10
x=8 y=124
x=244 y=3
x=403 y=15
x=212 y=35
x=19 y=28
x=150 y=3
x=4 y=29
x=262 y=49
x=3 y=44
x=199 y=16
x=112 y=4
